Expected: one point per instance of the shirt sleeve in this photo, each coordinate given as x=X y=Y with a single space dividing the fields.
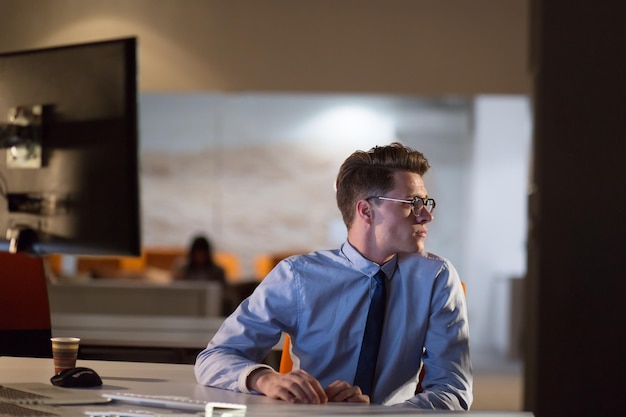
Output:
x=448 y=378
x=248 y=335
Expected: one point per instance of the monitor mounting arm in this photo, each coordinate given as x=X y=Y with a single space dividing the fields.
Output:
x=22 y=136
x=21 y=239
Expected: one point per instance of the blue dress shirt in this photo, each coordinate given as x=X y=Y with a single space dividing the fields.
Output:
x=321 y=300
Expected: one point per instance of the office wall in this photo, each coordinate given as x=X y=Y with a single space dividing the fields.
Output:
x=494 y=220
x=398 y=46
x=256 y=172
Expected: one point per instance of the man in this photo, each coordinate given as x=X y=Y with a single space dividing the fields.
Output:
x=322 y=300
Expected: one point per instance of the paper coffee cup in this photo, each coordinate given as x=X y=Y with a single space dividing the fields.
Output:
x=64 y=352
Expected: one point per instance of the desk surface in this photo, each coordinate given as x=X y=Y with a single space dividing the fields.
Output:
x=144 y=378
x=179 y=380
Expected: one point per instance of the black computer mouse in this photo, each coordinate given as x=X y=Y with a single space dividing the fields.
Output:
x=77 y=378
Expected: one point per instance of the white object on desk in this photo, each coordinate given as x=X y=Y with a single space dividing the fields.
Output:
x=136 y=413
x=160 y=401
x=224 y=410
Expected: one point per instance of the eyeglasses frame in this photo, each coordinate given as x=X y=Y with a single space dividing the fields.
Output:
x=412 y=202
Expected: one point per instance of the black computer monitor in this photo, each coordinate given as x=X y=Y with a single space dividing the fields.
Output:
x=69 y=150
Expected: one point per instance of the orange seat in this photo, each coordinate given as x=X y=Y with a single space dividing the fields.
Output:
x=286 y=364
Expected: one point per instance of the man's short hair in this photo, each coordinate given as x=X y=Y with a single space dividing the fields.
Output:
x=371 y=173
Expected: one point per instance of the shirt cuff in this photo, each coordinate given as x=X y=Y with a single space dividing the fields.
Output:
x=243 y=377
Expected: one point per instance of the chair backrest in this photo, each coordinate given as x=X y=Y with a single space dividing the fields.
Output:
x=24 y=309
x=286 y=364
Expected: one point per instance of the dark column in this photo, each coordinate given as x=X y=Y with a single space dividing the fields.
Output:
x=576 y=296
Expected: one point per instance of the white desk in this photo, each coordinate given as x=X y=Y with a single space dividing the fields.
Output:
x=133 y=330
x=179 y=380
x=145 y=378
x=140 y=331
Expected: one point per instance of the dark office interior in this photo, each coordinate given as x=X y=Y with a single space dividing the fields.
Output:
x=568 y=58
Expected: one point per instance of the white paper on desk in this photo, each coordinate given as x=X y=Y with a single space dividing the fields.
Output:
x=216 y=409
x=138 y=413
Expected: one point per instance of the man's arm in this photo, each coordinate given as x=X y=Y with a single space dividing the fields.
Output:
x=227 y=368
x=248 y=334
x=448 y=379
x=232 y=359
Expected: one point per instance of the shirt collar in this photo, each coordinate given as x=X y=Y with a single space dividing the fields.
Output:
x=366 y=266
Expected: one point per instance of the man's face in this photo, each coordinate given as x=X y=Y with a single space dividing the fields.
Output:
x=397 y=229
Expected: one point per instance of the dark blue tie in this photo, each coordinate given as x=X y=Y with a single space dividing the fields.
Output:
x=364 y=377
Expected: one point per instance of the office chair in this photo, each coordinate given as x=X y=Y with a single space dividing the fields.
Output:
x=25 y=327
x=286 y=364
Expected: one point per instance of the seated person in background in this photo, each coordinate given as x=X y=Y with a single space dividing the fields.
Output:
x=324 y=301
x=199 y=265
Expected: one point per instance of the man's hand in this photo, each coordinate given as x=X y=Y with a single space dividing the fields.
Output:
x=294 y=387
x=341 y=391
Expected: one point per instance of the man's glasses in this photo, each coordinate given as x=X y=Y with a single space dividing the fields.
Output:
x=417 y=203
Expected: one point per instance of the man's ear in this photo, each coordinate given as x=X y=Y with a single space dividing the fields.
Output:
x=364 y=210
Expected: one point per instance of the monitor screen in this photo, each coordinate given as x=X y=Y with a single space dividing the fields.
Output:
x=69 y=150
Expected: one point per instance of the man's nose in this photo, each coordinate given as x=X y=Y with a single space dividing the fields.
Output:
x=424 y=216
